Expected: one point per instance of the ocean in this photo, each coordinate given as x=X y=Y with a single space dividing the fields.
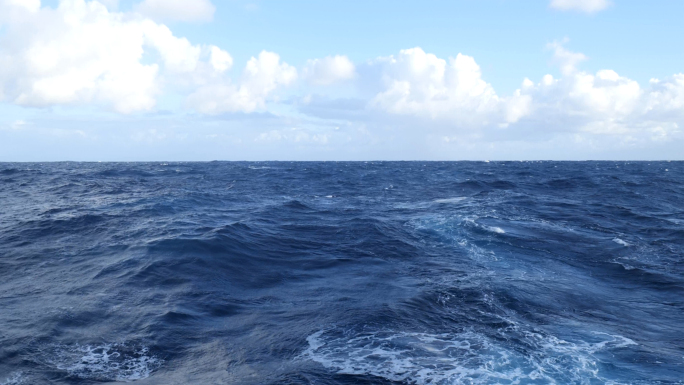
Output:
x=342 y=273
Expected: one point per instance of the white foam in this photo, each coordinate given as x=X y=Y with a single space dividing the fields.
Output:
x=450 y=200
x=495 y=229
x=469 y=357
x=455 y=230
x=108 y=362
x=620 y=242
x=15 y=378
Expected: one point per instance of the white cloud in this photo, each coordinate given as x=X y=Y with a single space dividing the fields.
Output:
x=177 y=10
x=27 y=5
x=566 y=60
x=220 y=59
x=261 y=76
x=111 y=4
x=587 y=6
x=293 y=135
x=667 y=96
x=81 y=53
x=418 y=83
x=605 y=102
x=329 y=70
x=15 y=125
x=76 y=54
x=453 y=93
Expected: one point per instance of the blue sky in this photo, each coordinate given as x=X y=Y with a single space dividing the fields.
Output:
x=333 y=80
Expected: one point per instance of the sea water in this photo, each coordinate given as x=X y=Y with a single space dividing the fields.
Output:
x=342 y=273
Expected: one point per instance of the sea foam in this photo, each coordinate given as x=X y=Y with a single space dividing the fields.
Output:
x=620 y=242
x=106 y=362
x=468 y=357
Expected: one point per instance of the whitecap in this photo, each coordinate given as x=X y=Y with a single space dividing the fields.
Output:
x=468 y=357
x=620 y=242
x=16 y=378
x=106 y=362
x=495 y=229
x=450 y=200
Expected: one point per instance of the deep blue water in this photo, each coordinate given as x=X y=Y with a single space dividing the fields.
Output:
x=342 y=273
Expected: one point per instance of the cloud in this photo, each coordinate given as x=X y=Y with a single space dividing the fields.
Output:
x=418 y=83
x=111 y=4
x=77 y=53
x=329 y=70
x=667 y=96
x=261 y=76
x=220 y=60
x=15 y=125
x=605 y=103
x=293 y=135
x=26 y=5
x=177 y=10
x=566 y=60
x=440 y=95
x=586 y=6
x=83 y=54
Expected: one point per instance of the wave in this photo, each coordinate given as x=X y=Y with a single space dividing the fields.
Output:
x=467 y=357
x=103 y=362
x=450 y=200
x=447 y=273
x=620 y=242
x=16 y=378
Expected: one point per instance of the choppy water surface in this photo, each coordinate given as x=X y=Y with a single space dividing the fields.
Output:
x=342 y=273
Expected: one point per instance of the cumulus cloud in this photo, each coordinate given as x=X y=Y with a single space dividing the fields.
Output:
x=27 y=5
x=418 y=83
x=605 y=102
x=83 y=53
x=667 y=95
x=261 y=76
x=111 y=4
x=587 y=6
x=177 y=10
x=453 y=92
x=76 y=54
x=329 y=70
x=220 y=60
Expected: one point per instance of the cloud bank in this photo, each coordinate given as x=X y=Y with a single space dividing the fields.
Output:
x=85 y=53
x=453 y=91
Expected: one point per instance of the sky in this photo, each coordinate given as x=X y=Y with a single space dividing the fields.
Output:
x=197 y=80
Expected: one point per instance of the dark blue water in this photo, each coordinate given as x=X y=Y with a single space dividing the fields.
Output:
x=342 y=273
